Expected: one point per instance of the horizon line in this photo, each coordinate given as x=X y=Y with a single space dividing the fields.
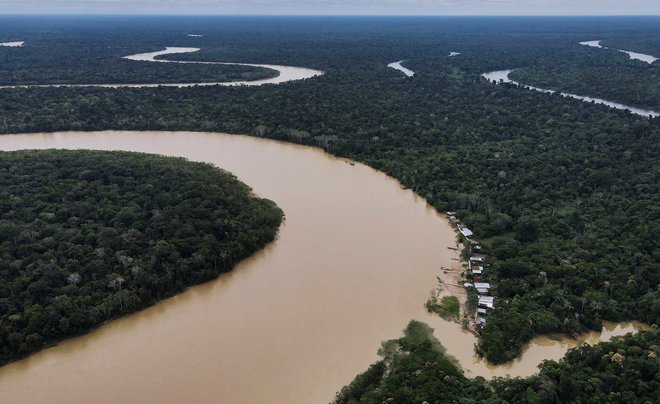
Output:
x=320 y=15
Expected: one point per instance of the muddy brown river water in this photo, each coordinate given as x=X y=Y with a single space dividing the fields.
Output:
x=354 y=262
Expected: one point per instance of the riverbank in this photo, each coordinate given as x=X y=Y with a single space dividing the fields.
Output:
x=450 y=283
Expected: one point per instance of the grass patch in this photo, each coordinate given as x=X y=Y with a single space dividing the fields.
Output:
x=448 y=307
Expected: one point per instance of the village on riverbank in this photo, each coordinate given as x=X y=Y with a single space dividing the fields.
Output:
x=464 y=293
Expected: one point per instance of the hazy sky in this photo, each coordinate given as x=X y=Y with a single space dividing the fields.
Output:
x=414 y=7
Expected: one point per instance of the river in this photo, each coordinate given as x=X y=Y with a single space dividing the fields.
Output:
x=397 y=66
x=632 y=55
x=284 y=73
x=502 y=76
x=17 y=44
x=355 y=260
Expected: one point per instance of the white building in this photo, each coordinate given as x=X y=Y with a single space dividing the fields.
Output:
x=466 y=232
x=487 y=302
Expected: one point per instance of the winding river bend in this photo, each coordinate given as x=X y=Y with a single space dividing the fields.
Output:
x=633 y=55
x=285 y=73
x=354 y=262
x=502 y=76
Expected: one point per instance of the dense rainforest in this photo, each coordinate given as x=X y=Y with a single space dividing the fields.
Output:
x=563 y=194
x=58 y=55
x=579 y=72
x=89 y=236
x=416 y=369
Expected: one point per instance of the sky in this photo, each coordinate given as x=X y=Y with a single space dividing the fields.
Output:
x=336 y=7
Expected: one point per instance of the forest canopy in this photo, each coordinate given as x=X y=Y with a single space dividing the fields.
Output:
x=550 y=185
x=416 y=369
x=88 y=236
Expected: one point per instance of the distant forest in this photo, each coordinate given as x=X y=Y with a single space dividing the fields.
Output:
x=89 y=236
x=563 y=194
x=59 y=55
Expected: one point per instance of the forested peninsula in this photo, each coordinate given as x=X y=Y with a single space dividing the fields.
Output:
x=88 y=236
x=562 y=194
x=416 y=369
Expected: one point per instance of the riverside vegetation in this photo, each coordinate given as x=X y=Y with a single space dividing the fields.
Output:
x=416 y=369
x=89 y=236
x=448 y=307
x=562 y=193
